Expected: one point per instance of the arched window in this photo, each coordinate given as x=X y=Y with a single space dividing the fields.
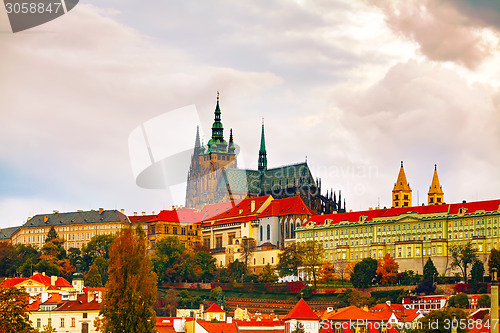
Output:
x=268 y=232
x=287 y=230
x=292 y=230
x=261 y=233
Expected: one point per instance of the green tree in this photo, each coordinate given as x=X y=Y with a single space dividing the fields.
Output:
x=268 y=275
x=7 y=258
x=128 y=304
x=51 y=235
x=93 y=278
x=459 y=300
x=312 y=256
x=48 y=267
x=74 y=254
x=27 y=268
x=462 y=257
x=484 y=301
x=236 y=270
x=166 y=258
x=102 y=264
x=494 y=260
x=13 y=316
x=206 y=263
x=430 y=271
x=289 y=260
x=476 y=275
x=217 y=295
x=97 y=247
x=438 y=321
x=426 y=286
x=364 y=272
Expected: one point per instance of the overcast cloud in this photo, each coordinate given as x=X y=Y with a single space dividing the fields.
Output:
x=356 y=86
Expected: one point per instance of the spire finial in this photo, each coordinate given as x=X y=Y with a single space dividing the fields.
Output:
x=435 y=166
x=401 y=163
x=217 y=95
x=262 y=121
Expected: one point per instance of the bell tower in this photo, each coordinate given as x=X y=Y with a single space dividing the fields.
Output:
x=436 y=194
x=401 y=193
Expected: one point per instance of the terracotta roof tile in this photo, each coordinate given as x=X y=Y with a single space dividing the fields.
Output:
x=287 y=206
x=219 y=327
x=214 y=308
x=350 y=313
x=301 y=311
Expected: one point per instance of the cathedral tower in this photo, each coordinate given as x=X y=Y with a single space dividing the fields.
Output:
x=401 y=193
x=436 y=194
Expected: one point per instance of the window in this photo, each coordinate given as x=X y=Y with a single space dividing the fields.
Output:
x=174 y=231
x=84 y=315
x=49 y=322
x=39 y=322
x=62 y=322
x=261 y=233
x=268 y=232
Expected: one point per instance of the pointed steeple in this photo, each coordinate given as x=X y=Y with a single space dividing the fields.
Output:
x=197 y=141
x=231 y=148
x=262 y=165
x=401 y=193
x=217 y=142
x=436 y=194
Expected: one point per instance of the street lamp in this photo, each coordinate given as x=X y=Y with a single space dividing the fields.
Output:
x=494 y=302
x=454 y=324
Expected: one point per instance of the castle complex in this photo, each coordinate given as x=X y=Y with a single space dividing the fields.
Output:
x=214 y=176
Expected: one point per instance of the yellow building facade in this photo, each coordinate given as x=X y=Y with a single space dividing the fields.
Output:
x=77 y=228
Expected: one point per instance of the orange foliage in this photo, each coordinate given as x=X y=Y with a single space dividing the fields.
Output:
x=388 y=269
x=326 y=272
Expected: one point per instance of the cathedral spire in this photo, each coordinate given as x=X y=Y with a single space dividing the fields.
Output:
x=197 y=141
x=231 y=148
x=217 y=142
x=262 y=151
x=436 y=194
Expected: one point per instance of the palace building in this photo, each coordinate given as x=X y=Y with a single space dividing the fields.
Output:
x=409 y=234
x=214 y=176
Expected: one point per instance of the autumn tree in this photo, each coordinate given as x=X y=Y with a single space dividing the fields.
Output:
x=205 y=262
x=166 y=259
x=462 y=257
x=494 y=260
x=387 y=269
x=128 y=304
x=289 y=260
x=326 y=272
x=13 y=316
x=312 y=256
x=93 y=278
x=51 y=235
x=97 y=247
x=440 y=321
x=268 y=275
x=459 y=300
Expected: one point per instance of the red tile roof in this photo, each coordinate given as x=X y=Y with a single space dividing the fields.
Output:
x=385 y=311
x=210 y=211
x=491 y=205
x=140 y=218
x=79 y=305
x=350 y=313
x=244 y=208
x=214 y=308
x=287 y=206
x=185 y=215
x=40 y=278
x=12 y=282
x=219 y=327
x=301 y=311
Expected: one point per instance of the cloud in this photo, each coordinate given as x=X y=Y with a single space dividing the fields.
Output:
x=443 y=32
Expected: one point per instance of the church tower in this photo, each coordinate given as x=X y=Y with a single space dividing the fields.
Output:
x=208 y=164
x=262 y=152
x=401 y=193
x=436 y=194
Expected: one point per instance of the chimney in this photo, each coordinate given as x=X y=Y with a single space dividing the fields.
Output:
x=43 y=273
x=135 y=213
x=388 y=303
x=55 y=211
x=101 y=210
x=153 y=212
x=53 y=280
x=252 y=206
x=123 y=211
x=45 y=218
x=173 y=207
x=143 y=213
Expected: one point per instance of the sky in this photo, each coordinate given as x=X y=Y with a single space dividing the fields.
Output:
x=353 y=86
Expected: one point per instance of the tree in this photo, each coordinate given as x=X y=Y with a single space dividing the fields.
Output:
x=7 y=258
x=93 y=278
x=51 y=235
x=462 y=257
x=289 y=260
x=268 y=275
x=128 y=304
x=248 y=248
x=476 y=275
x=494 y=260
x=217 y=295
x=97 y=247
x=206 y=262
x=170 y=302
x=459 y=300
x=364 y=273
x=326 y=272
x=484 y=301
x=440 y=321
x=13 y=316
x=430 y=271
x=102 y=264
x=426 y=286
x=387 y=269
x=166 y=259
x=236 y=270
x=48 y=267
x=312 y=256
